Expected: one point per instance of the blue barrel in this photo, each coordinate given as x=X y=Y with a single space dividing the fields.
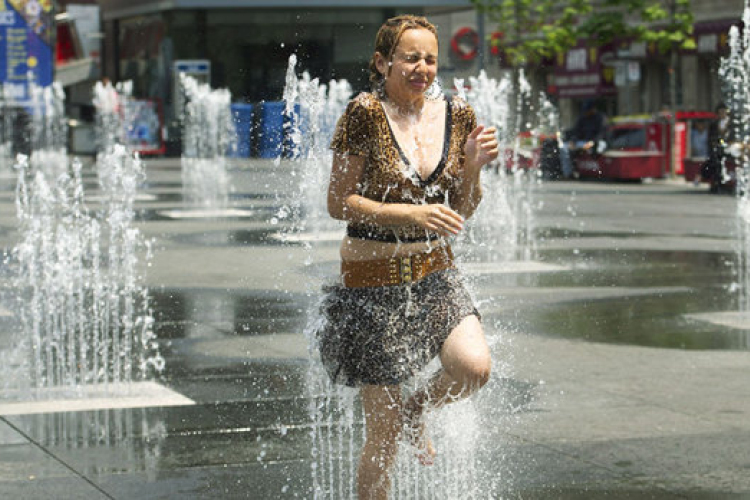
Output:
x=270 y=139
x=242 y=116
x=275 y=138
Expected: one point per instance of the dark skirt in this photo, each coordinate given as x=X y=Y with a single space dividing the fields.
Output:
x=384 y=335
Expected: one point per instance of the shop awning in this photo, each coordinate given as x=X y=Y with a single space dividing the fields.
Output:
x=80 y=70
x=584 y=72
x=721 y=26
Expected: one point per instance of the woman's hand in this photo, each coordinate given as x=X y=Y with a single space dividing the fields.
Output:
x=481 y=148
x=438 y=219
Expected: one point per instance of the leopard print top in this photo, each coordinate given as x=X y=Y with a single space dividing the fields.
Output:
x=364 y=130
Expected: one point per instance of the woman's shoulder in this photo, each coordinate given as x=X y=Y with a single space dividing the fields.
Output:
x=460 y=105
x=462 y=110
x=364 y=100
x=354 y=130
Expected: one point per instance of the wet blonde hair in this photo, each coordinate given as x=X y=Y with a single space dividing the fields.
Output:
x=388 y=37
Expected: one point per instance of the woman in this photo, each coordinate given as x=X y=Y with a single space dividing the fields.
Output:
x=405 y=177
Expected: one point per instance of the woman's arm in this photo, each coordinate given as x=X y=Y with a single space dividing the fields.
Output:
x=481 y=148
x=345 y=204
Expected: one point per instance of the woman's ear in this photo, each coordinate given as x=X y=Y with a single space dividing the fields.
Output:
x=381 y=64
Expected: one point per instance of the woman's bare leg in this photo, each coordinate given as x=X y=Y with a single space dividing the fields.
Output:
x=383 y=407
x=466 y=367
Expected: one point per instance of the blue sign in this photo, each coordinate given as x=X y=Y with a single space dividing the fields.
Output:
x=27 y=34
x=193 y=67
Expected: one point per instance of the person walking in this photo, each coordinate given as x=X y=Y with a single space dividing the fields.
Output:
x=405 y=177
x=585 y=135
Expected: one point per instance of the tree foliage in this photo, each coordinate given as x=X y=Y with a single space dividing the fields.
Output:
x=537 y=29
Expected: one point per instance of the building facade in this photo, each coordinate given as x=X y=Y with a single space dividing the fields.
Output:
x=248 y=44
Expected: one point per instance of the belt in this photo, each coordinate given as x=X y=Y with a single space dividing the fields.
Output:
x=395 y=271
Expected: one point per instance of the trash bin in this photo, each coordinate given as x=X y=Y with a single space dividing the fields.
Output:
x=275 y=138
x=81 y=138
x=242 y=116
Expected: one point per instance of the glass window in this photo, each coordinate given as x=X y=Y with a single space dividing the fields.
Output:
x=627 y=138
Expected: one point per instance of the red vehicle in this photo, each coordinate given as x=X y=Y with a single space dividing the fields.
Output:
x=637 y=147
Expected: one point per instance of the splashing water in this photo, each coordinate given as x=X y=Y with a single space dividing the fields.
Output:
x=734 y=73
x=208 y=134
x=503 y=227
x=49 y=130
x=311 y=131
x=112 y=108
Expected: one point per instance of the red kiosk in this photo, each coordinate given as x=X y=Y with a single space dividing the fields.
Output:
x=638 y=147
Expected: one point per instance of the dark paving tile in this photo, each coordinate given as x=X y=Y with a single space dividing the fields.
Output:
x=593 y=491
x=265 y=237
x=285 y=480
x=27 y=462
x=59 y=488
x=100 y=428
x=178 y=313
x=105 y=427
x=214 y=447
x=239 y=382
x=654 y=320
x=256 y=214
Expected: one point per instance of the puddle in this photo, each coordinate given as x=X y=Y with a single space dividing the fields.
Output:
x=212 y=314
x=636 y=297
x=255 y=237
x=649 y=320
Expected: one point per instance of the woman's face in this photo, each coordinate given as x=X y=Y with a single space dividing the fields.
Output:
x=414 y=65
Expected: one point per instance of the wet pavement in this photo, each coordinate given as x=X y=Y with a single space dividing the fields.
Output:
x=613 y=379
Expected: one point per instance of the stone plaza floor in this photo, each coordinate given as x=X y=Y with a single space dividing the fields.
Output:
x=620 y=339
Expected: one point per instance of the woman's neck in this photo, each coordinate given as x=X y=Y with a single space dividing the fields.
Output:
x=406 y=107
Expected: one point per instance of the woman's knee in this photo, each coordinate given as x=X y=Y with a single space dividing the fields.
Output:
x=466 y=355
x=478 y=369
x=472 y=370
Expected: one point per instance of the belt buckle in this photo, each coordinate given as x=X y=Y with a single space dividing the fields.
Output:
x=405 y=270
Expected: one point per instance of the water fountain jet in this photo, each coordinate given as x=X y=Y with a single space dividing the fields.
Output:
x=208 y=135
x=312 y=109
x=85 y=325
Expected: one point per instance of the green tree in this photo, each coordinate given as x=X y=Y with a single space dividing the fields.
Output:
x=537 y=29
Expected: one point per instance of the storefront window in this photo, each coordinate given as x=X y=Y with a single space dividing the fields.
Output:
x=143 y=46
x=627 y=138
x=249 y=49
